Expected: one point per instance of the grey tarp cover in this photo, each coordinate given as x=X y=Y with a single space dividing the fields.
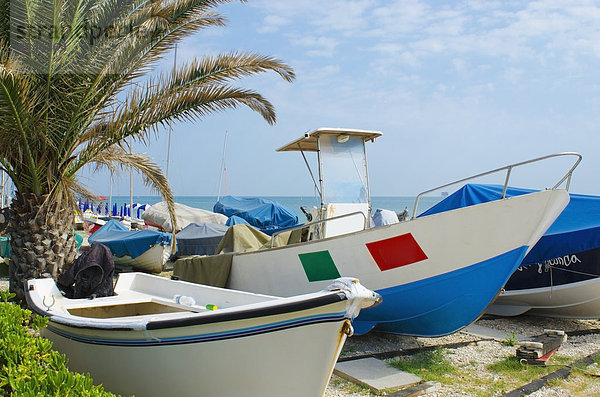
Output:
x=158 y=215
x=214 y=270
x=200 y=238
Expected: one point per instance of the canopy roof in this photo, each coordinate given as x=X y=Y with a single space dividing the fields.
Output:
x=308 y=143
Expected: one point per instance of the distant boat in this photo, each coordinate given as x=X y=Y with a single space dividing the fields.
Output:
x=145 y=250
x=158 y=216
x=160 y=337
x=436 y=274
x=560 y=277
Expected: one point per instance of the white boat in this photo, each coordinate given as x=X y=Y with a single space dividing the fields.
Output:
x=153 y=260
x=436 y=273
x=161 y=337
x=145 y=250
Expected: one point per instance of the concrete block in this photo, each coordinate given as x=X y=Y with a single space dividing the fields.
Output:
x=375 y=374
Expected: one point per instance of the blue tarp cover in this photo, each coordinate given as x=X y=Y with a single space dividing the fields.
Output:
x=264 y=214
x=576 y=229
x=122 y=241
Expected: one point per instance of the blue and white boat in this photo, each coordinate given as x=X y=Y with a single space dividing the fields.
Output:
x=436 y=273
x=560 y=276
x=146 y=250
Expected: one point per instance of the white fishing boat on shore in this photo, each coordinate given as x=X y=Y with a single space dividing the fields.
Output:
x=436 y=273
x=161 y=337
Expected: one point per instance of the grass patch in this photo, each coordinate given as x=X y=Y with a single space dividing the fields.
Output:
x=511 y=340
x=511 y=366
x=430 y=365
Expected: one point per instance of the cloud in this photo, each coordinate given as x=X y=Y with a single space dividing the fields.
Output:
x=272 y=23
x=317 y=45
x=512 y=30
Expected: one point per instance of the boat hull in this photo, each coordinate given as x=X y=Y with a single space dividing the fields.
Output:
x=144 y=341
x=445 y=303
x=565 y=287
x=456 y=262
x=152 y=261
x=297 y=361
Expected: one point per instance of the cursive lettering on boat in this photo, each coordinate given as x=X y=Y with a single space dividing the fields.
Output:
x=566 y=261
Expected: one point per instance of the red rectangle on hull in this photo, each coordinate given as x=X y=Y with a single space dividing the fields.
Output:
x=396 y=252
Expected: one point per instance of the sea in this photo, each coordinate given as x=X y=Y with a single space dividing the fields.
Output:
x=396 y=204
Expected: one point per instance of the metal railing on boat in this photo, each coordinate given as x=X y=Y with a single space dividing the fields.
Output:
x=566 y=178
x=317 y=222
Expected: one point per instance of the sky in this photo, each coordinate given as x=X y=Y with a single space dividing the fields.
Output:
x=457 y=88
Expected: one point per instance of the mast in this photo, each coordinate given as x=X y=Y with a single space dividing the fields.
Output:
x=223 y=171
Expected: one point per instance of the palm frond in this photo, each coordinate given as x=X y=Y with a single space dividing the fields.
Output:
x=152 y=174
x=60 y=92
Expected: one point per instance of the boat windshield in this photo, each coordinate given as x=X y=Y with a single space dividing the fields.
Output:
x=344 y=169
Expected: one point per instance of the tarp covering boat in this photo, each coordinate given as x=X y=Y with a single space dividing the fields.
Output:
x=264 y=214
x=214 y=270
x=576 y=229
x=200 y=238
x=158 y=215
x=124 y=242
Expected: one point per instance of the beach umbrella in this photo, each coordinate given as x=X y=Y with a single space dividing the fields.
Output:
x=140 y=209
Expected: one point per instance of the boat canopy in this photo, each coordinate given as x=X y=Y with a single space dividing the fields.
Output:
x=200 y=238
x=124 y=242
x=309 y=142
x=264 y=214
x=576 y=229
x=158 y=215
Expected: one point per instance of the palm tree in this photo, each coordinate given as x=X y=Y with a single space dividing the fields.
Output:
x=75 y=84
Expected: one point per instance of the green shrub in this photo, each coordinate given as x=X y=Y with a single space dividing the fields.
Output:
x=29 y=367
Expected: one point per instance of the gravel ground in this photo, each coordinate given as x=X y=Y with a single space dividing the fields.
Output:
x=474 y=357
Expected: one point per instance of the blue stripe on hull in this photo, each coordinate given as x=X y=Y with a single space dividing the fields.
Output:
x=230 y=334
x=442 y=304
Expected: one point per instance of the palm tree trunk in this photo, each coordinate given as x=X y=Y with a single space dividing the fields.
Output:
x=42 y=240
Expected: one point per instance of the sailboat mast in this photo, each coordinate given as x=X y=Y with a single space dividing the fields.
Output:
x=223 y=169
